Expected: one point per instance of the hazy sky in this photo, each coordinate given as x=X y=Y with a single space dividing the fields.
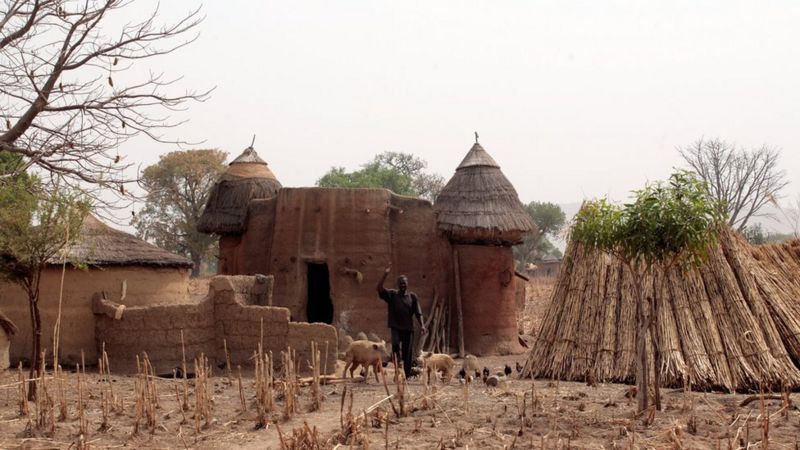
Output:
x=573 y=99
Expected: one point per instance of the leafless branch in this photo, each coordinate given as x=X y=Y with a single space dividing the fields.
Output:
x=745 y=180
x=62 y=110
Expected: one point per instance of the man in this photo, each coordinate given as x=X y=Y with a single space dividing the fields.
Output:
x=402 y=306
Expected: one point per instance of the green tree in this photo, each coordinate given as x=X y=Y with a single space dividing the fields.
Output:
x=35 y=225
x=666 y=225
x=177 y=191
x=401 y=173
x=549 y=219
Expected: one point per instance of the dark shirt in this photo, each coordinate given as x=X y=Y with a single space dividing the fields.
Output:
x=402 y=308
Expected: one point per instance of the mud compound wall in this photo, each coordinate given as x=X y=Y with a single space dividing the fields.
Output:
x=355 y=233
x=231 y=315
x=128 y=285
x=488 y=299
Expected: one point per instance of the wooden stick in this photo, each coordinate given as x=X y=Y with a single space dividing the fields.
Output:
x=459 y=313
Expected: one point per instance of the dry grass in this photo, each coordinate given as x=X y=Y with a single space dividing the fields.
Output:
x=398 y=414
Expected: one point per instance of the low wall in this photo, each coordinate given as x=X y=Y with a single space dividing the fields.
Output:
x=231 y=315
x=128 y=285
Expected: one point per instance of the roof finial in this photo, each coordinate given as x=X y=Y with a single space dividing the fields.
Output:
x=253 y=141
x=476 y=137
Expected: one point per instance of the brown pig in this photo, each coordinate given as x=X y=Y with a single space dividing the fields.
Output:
x=367 y=354
x=441 y=363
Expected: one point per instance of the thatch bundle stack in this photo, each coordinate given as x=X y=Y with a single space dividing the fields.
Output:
x=732 y=324
x=247 y=178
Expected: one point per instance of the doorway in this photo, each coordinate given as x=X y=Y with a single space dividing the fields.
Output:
x=319 y=307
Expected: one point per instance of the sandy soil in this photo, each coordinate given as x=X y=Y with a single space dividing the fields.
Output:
x=555 y=415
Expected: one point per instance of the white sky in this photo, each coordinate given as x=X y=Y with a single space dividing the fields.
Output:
x=573 y=99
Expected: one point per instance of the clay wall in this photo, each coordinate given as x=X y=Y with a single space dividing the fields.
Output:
x=142 y=286
x=488 y=299
x=356 y=232
x=230 y=315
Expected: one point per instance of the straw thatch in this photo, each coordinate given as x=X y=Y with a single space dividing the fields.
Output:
x=247 y=178
x=101 y=245
x=731 y=324
x=7 y=325
x=479 y=204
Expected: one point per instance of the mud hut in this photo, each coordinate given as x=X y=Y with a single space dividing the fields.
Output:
x=124 y=268
x=732 y=324
x=7 y=331
x=480 y=213
x=248 y=178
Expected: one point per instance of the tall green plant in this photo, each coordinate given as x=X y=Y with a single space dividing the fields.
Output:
x=35 y=225
x=668 y=224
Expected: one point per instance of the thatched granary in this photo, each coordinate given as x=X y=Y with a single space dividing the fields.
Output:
x=248 y=178
x=7 y=331
x=126 y=269
x=327 y=247
x=480 y=212
x=731 y=324
x=479 y=205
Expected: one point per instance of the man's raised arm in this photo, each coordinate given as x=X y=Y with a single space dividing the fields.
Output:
x=379 y=287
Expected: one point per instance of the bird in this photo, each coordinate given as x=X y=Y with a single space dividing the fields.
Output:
x=462 y=374
x=507 y=370
x=486 y=374
x=477 y=373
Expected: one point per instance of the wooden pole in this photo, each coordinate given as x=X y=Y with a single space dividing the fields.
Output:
x=459 y=314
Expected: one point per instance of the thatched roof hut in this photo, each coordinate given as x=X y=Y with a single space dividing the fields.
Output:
x=731 y=324
x=101 y=245
x=480 y=205
x=247 y=178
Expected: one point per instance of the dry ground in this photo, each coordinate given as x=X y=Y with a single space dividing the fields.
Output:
x=517 y=414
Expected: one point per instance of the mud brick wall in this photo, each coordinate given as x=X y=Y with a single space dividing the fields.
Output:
x=228 y=316
x=155 y=330
x=356 y=233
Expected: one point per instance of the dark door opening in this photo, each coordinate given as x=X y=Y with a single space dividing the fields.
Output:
x=319 y=307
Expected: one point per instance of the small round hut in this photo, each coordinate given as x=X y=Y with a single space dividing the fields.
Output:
x=103 y=260
x=481 y=214
x=248 y=178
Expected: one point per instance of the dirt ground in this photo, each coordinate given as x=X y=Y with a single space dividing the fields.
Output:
x=540 y=414
x=516 y=414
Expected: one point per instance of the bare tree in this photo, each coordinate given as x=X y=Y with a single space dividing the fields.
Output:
x=745 y=180
x=63 y=111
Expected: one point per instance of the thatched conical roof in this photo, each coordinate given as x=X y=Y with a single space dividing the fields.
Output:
x=247 y=178
x=731 y=324
x=479 y=204
x=101 y=245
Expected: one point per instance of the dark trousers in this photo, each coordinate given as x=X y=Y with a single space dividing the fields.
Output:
x=402 y=344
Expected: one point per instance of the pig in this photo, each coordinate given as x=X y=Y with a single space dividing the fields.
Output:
x=439 y=362
x=367 y=354
x=470 y=364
